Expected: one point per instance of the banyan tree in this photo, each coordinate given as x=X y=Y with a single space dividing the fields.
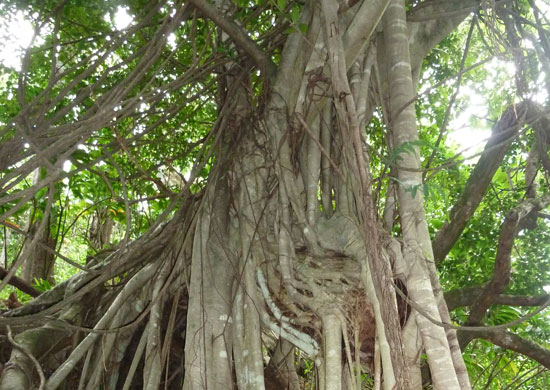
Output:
x=265 y=196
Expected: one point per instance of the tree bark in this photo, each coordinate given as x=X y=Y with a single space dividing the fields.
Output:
x=447 y=368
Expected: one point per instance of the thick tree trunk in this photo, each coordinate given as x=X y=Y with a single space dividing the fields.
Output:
x=418 y=251
x=40 y=262
x=101 y=228
x=284 y=240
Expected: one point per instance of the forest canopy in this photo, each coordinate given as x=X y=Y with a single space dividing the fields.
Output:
x=274 y=194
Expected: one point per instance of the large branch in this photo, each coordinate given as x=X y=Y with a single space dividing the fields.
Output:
x=239 y=37
x=11 y=152
x=503 y=134
x=466 y=296
x=431 y=22
x=20 y=284
x=503 y=264
x=501 y=275
x=361 y=28
x=512 y=341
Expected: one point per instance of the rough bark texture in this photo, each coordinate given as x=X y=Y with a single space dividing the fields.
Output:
x=275 y=250
x=503 y=134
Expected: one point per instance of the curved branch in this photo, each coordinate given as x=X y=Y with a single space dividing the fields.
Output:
x=362 y=27
x=427 y=27
x=503 y=133
x=236 y=33
x=28 y=356
x=503 y=266
x=20 y=284
x=466 y=296
x=501 y=275
x=512 y=341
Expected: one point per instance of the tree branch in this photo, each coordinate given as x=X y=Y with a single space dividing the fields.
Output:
x=427 y=28
x=361 y=28
x=466 y=296
x=501 y=276
x=239 y=37
x=512 y=341
x=503 y=266
x=503 y=133
x=20 y=284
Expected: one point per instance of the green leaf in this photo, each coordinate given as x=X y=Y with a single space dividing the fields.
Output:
x=42 y=285
x=295 y=14
x=405 y=147
x=414 y=189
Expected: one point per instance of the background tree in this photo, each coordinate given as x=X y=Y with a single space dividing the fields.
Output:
x=245 y=190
